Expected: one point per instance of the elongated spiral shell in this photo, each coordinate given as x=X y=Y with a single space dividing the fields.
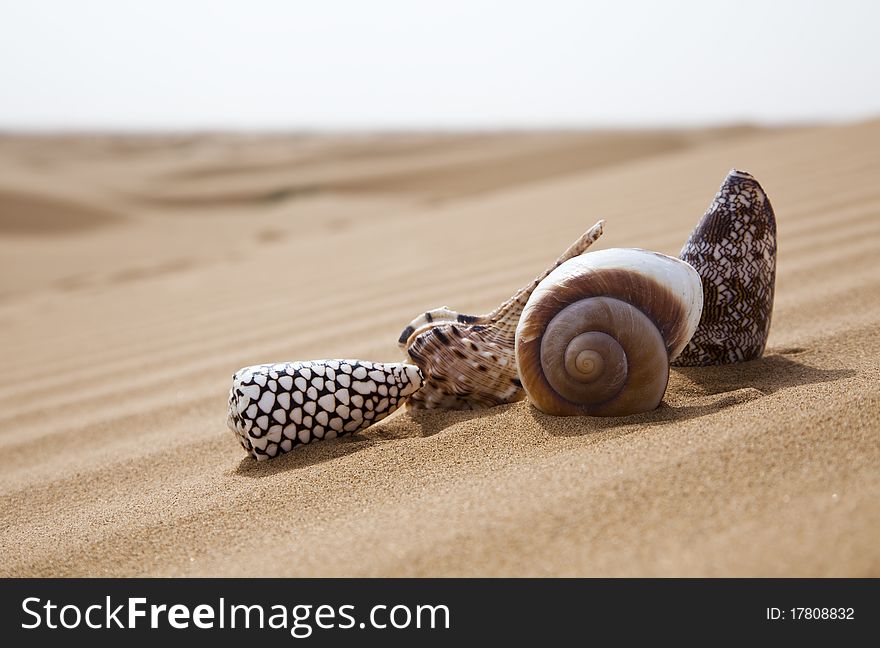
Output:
x=275 y=407
x=733 y=248
x=596 y=335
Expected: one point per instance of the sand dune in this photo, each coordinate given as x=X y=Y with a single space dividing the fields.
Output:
x=22 y=213
x=139 y=273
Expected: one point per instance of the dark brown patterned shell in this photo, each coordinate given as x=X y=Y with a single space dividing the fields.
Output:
x=733 y=248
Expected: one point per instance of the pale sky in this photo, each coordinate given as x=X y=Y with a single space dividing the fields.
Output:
x=386 y=64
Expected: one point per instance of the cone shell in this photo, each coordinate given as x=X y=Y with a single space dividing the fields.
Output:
x=275 y=407
x=630 y=310
x=733 y=248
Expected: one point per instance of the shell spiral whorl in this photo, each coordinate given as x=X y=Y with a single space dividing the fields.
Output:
x=587 y=349
x=597 y=334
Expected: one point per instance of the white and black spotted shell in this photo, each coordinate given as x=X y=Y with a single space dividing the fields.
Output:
x=275 y=407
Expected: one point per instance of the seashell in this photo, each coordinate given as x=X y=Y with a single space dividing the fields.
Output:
x=468 y=360
x=275 y=407
x=596 y=335
x=733 y=248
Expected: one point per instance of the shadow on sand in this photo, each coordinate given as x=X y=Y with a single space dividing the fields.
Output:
x=416 y=424
x=304 y=456
x=713 y=388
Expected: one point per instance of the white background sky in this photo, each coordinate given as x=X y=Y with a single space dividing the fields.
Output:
x=182 y=64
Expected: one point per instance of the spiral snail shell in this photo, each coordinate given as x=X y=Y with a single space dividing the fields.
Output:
x=626 y=313
x=275 y=407
x=596 y=335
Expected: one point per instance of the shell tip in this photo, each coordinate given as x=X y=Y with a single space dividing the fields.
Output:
x=739 y=173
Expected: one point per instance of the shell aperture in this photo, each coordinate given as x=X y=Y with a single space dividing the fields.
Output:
x=275 y=407
x=468 y=360
x=596 y=335
x=734 y=249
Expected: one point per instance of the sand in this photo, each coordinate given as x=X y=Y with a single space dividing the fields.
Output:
x=138 y=273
